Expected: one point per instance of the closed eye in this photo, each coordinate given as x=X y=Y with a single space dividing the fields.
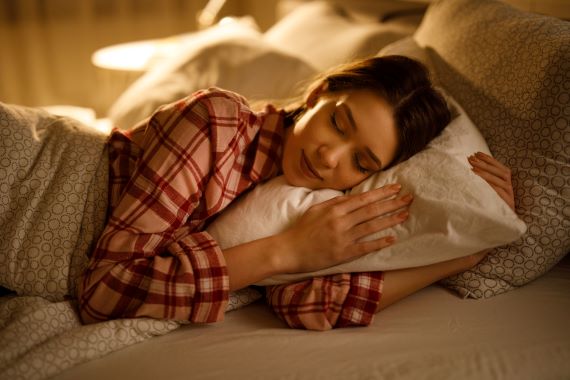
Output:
x=358 y=164
x=335 y=125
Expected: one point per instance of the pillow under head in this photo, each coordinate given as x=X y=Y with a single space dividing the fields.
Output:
x=454 y=213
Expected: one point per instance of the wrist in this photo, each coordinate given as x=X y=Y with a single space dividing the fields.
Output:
x=462 y=264
x=254 y=261
x=281 y=254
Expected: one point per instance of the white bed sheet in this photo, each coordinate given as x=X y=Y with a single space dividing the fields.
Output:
x=523 y=334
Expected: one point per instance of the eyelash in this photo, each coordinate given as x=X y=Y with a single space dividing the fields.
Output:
x=335 y=124
x=355 y=159
x=359 y=167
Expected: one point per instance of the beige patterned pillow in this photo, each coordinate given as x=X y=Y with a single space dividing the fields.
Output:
x=511 y=72
x=53 y=203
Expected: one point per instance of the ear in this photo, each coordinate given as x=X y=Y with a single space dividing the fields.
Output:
x=315 y=94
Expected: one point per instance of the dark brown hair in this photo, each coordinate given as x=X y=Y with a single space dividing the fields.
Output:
x=420 y=111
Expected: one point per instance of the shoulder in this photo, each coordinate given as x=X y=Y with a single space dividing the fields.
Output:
x=205 y=109
x=219 y=101
x=220 y=93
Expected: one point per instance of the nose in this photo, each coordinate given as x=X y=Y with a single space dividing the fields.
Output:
x=330 y=156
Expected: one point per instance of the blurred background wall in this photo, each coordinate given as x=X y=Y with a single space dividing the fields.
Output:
x=47 y=44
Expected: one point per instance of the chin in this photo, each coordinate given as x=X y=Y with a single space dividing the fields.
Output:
x=293 y=181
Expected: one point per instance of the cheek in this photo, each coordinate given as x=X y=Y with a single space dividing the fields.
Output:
x=312 y=126
x=345 y=179
x=290 y=151
x=353 y=176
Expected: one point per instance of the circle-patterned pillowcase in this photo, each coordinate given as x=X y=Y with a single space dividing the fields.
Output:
x=53 y=181
x=513 y=79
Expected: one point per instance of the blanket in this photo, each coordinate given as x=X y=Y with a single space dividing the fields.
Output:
x=54 y=186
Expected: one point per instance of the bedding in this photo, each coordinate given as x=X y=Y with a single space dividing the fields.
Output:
x=513 y=80
x=454 y=213
x=41 y=338
x=513 y=86
x=231 y=55
x=326 y=35
x=235 y=56
x=54 y=186
x=433 y=334
x=54 y=175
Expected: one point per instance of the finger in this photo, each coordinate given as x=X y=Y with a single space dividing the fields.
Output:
x=364 y=247
x=501 y=171
x=489 y=167
x=504 y=191
x=379 y=208
x=332 y=201
x=508 y=197
x=356 y=201
x=491 y=160
x=504 y=195
x=378 y=224
x=491 y=179
x=490 y=164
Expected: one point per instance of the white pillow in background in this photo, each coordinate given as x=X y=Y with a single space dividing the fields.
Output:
x=454 y=213
x=232 y=56
x=409 y=48
x=325 y=37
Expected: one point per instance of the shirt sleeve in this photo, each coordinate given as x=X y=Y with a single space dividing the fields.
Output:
x=150 y=260
x=323 y=303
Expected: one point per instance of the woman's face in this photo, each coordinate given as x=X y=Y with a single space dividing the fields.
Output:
x=341 y=140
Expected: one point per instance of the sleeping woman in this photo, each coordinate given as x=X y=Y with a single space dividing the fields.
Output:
x=174 y=172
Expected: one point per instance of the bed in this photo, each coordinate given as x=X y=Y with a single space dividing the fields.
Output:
x=505 y=319
x=431 y=335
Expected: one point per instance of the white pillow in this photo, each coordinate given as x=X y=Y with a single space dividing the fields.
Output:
x=409 y=48
x=454 y=213
x=231 y=56
x=325 y=37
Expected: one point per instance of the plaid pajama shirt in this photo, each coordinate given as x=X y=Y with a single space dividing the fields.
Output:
x=168 y=177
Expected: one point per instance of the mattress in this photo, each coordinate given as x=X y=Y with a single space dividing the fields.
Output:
x=432 y=334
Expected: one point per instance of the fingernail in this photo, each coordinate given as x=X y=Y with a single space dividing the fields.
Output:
x=407 y=198
x=390 y=240
x=403 y=215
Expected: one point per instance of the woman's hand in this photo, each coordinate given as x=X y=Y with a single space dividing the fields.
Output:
x=495 y=174
x=330 y=233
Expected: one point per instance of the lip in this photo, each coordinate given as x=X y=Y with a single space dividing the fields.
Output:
x=307 y=168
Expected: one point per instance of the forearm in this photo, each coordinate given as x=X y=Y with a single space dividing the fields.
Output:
x=401 y=283
x=253 y=261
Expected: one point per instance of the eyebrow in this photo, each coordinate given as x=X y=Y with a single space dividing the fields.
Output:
x=352 y=123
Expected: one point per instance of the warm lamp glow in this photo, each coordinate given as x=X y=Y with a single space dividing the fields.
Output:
x=134 y=56
x=141 y=56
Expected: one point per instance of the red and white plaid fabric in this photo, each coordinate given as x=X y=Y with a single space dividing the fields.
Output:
x=168 y=177
x=323 y=303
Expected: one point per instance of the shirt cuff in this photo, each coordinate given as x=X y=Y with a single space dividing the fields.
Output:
x=362 y=299
x=211 y=278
